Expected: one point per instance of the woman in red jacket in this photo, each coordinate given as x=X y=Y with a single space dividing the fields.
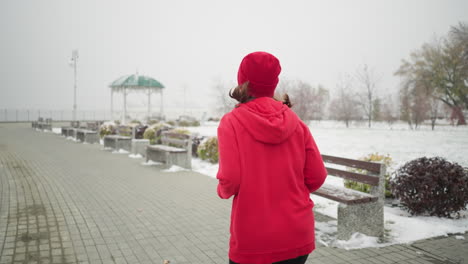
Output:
x=270 y=163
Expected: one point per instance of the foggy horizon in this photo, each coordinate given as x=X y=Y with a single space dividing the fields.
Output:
x=192 y=45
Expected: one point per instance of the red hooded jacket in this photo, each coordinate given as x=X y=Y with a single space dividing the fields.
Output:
x=269 y=161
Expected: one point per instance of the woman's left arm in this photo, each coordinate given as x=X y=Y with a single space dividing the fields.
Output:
x=229 y=162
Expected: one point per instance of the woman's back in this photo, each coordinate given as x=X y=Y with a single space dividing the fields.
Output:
x=272 y=216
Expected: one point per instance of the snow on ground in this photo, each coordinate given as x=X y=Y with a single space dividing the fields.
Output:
x=209 y=129
x=397 y=140
x=175 y=168
x=120 y=151
x=57 y=130
x=403 y=145
x=151 y=163
x=400 y=143
x=135 y=156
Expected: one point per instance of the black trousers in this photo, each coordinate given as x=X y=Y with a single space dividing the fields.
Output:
x=299 y=260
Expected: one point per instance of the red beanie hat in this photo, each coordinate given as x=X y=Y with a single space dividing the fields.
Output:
x=261 y=70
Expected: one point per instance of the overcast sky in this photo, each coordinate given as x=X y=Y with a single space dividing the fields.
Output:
x=190 y=44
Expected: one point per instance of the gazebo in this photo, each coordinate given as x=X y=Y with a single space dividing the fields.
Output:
x=135 y=83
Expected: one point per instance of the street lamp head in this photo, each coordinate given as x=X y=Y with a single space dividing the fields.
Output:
x=75 y=54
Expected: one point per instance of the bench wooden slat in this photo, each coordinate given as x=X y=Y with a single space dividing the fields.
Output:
x=342 y=195
x=372 y=180
x=174 y=141
x=358 y=164
x=166 y=148
x=176 y=135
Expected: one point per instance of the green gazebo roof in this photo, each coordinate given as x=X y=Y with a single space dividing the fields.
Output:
x=136 y=81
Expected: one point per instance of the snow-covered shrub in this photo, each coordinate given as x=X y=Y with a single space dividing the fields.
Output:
x=153 y=133
x=431 y=186
x=107 y=128
x=150 y=134
x=359 y=186
x=208 y=150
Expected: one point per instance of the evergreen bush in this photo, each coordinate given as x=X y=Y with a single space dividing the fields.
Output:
x=208 y=150
x=431 y=186
x=150 y=134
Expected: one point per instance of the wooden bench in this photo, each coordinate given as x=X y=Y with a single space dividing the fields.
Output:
x=94 y=126
x=87 y=136
x=357 y=211
x=42 y=124
x=175 y=149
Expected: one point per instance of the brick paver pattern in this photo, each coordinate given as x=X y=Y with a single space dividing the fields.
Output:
x=65 y=202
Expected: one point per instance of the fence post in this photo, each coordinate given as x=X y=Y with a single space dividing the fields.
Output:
x=38 y=114
x=28 y=114
x=16 y=114
x=61 y=115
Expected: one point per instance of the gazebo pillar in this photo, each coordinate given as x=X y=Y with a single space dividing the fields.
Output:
x=124 y=121
x=112 y=104
x=149 y=103
x=162 y=106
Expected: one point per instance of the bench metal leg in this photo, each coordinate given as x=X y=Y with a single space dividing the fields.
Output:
x=365 y=218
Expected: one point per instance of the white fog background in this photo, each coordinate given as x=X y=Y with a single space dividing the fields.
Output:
x=190 y=45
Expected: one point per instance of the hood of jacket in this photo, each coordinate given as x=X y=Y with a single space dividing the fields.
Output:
x=267 y=120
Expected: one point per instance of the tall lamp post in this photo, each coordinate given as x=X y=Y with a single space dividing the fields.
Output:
x=73 y=60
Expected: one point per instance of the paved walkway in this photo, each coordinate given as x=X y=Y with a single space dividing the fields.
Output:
x=64 y=202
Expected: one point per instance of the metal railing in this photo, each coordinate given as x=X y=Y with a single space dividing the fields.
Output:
x=28 y=115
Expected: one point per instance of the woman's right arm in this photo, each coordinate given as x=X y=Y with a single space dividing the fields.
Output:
x=314 y=169
x=229 y=162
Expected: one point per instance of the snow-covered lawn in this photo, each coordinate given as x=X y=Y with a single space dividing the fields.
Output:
x=403 y=145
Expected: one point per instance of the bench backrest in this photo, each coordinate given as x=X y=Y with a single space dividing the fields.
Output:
x=371 y=176
x=92 y=126
x=372 y=173
x=75 y=124
x=177 y=140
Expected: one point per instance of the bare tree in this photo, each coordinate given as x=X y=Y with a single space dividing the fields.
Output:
x=344 y=106
x=377 y=109
x=308 y=102
x=224 y=103
x=420 y=105
x=367 y=81
x=434 y=106
x=405 y=103
x=388 y=113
